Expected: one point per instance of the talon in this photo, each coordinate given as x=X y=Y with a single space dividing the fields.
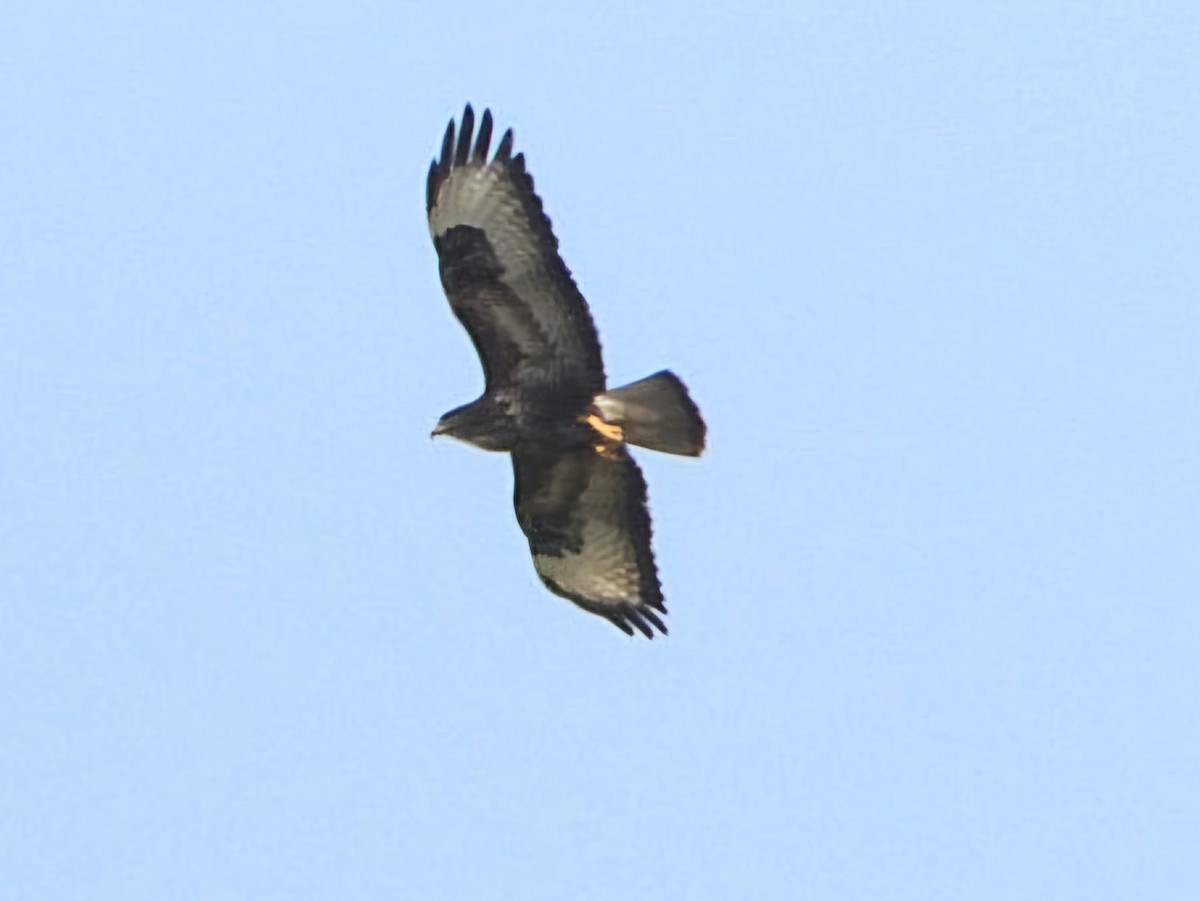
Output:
x=608 y=430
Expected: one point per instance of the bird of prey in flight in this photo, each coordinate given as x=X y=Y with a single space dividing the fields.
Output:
x=580 y=498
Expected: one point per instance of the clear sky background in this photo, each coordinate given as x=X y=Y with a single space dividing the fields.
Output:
x=931 y=272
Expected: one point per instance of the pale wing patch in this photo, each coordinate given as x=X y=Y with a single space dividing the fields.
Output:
x=604 y=567
x=604 y=571
x=486 y=198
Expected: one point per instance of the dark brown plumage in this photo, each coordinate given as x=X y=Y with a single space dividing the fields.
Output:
x=580 y=498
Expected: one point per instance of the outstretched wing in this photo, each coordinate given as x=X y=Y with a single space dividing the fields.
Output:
x=589 y=531
x=501 y=270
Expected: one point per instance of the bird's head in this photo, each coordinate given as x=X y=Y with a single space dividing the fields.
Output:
x=447 y=425
x=480 y=423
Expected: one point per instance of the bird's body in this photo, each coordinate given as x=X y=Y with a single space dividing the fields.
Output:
x=580 y=498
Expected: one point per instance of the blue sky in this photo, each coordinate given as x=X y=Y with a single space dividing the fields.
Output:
x=931 y=274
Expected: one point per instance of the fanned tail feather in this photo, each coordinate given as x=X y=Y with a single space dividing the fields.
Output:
x=656 y=413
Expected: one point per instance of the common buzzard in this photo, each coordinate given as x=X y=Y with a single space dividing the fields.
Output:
x=579 y=496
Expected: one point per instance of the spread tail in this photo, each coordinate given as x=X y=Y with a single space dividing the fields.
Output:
x=655 y=412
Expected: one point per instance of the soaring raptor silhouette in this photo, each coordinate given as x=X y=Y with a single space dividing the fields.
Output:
x=580 y=498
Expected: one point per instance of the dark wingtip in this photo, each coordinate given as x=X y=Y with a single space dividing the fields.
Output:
x=642 y=618
x=634 y=617
x=480 y=153
x=431 y=186
x=447 y=157
x=619 y=622
x=457 y=149
x=504 y=151
x=439 y=169
x=465 y=133
x=655 y=619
